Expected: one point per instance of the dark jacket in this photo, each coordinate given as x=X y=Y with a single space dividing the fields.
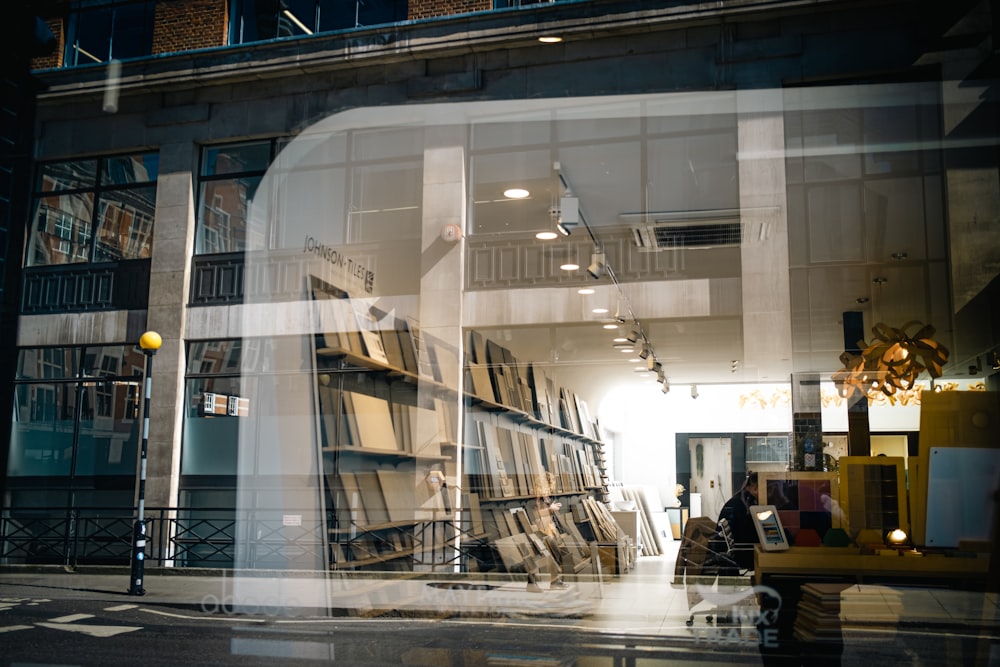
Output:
x=737 y=512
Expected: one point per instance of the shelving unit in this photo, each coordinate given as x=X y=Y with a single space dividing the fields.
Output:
x=389 y=420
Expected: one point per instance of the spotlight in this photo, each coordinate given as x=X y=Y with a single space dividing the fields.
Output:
x=597 y=267
x=563 y=229
x=694 y=391
x=666 y=386
x=634 y=334
x=644 y=350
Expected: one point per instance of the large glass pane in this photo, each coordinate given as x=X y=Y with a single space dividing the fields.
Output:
x=71 y=175
x=211 y=433
x=298 y=17
x=41 y=432
x=61 y=230
x=113 y=361
x=214 y=357
x=132 y=30
x=109 y=428
x=48 y=363
x=125 y=224
x=93 y=30
x=337 y=14
x=128 y=169
x=222 y=219
x=236 y=159
x=376 y=12
x=385 y=203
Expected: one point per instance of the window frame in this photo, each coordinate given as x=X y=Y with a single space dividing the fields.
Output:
x=104 y=193
x=79 y=10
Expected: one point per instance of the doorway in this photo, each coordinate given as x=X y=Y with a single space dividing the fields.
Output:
x=711 y=474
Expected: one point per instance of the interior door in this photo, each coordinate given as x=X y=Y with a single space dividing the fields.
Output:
x=711 y=473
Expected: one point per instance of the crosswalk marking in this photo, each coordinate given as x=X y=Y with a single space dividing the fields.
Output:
x=12 y=628
x=70 y=618
x=92 y=630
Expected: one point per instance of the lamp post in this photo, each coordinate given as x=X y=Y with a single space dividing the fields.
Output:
x=150 y=342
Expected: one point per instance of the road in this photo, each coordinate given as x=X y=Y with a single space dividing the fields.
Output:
x=37 y=630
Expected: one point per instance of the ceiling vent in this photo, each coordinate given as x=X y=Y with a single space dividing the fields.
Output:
x=695 y=229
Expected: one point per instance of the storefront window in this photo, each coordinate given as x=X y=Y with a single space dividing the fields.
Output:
x=120 y=190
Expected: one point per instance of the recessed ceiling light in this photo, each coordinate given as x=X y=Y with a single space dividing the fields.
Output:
x=550 y=39
x=610 y=326
x=546 y=236
x=599 y=311
x=585 y=290
x=516 y=193
x=621 y=340
x=634 y=360
x=569 y=266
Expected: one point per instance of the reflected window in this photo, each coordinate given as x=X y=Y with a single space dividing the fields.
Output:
x=101 y=30
x=214 y=408
x=76 y=413
x=94 y=210
x=230 y=176
x=257 y=20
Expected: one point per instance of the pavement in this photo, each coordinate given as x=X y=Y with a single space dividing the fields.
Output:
x=306 y=593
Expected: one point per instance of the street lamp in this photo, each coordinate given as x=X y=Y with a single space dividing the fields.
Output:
x=150 y=342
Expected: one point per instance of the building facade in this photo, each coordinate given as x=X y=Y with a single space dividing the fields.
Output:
x=308 y=205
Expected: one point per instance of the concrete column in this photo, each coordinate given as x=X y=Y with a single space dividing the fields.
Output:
x=169 y=279
x=442 y=258
x=442 y=279
x=767 y=322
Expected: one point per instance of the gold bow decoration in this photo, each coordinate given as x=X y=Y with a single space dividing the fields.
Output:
x=892 y=361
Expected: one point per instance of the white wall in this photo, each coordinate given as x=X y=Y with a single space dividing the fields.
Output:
x=647 y=422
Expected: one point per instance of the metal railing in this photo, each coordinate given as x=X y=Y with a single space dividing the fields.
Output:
x=178 y=537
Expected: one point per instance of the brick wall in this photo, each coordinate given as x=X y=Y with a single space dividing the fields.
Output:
x=182 y=25
x=423 y=9
x=54 y=59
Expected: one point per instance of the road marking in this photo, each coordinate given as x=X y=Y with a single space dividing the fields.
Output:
x=227 y=619
x=12 y=628
x=92 y=630
x=122 y=607
x=70 y=618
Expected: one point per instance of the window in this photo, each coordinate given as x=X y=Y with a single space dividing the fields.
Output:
x=120 y=190
x=767 y=449
x=230 y=176
x=99 y=30
x=256 y=20
x=75 y=412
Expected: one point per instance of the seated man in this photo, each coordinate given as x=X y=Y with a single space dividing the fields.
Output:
x=736 y=511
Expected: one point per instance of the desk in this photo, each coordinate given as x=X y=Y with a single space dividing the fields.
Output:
x=849 y=563
x=825 y=570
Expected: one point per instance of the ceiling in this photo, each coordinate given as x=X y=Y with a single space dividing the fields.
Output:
x=704 y=310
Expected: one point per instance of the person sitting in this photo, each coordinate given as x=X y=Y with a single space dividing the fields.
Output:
x=736 y=512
